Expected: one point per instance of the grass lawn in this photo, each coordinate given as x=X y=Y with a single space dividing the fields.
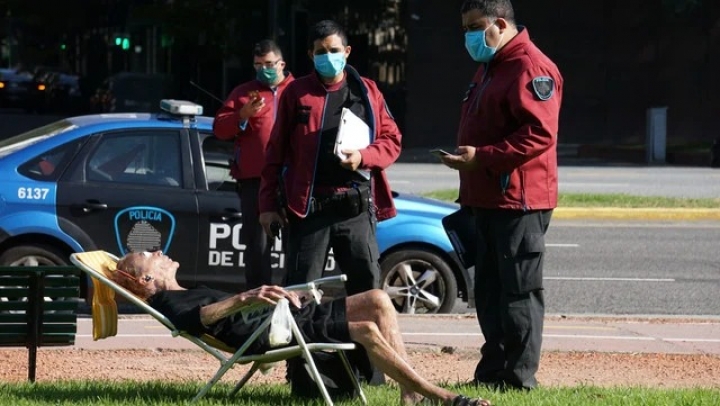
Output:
x=103 y=393
x=607 y=200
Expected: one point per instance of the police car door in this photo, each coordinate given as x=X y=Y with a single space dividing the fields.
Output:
x=132 y=190
x=221 y=259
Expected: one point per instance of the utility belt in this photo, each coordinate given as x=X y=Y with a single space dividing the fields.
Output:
x=348 y=203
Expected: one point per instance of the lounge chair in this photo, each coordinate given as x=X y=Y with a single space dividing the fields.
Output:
x=99 y=264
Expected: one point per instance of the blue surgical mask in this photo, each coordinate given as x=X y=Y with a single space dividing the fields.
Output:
x=330 y=64
x=267 y=76
x=477 y=47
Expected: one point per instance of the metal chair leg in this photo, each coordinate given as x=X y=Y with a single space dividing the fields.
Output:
x=349 y=370
x=245 y=378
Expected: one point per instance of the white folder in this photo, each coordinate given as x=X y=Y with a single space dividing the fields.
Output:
x=353 y=133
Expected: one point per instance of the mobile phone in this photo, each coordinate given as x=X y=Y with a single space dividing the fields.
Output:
x=439 y=152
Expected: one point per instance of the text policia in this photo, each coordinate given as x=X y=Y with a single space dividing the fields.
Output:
x=226 y=250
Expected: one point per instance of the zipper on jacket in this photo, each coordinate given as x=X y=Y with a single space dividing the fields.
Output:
x=275 y=103
x=478 y=94
x=475 y=101
x=317 y=154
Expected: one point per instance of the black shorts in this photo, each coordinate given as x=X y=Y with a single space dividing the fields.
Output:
x=324 y=323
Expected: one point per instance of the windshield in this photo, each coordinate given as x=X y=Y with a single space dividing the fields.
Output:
x=20 y=141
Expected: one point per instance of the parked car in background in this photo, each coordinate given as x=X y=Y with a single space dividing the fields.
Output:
x=143 y=182
x=19 y=90
x=62 y=91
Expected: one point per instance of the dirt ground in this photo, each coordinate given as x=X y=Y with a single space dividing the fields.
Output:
x=442 y=366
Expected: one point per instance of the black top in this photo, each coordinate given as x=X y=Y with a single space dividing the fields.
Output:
x=182 y=307
x=329 y=173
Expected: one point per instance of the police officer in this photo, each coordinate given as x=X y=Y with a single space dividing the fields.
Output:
x=330 y=201
x=247 y=118
x=507 y=161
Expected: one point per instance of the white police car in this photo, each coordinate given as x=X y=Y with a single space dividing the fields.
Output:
x=131 y=182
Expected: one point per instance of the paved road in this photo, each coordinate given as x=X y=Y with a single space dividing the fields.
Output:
x=631 y=268
x=701 y=336
x=670 y=181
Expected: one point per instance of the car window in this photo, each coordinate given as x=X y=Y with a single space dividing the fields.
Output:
x=216 y=157
x=49 y=165
x=148 y=157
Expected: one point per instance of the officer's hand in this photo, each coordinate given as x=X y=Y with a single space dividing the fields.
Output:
x=267 y=218
x=251 y=108
x=352 y=160
x=462 y=160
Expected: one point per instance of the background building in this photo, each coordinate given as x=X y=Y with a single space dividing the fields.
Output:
x=619 y=58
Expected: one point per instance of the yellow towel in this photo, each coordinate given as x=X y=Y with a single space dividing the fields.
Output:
x=104 y=307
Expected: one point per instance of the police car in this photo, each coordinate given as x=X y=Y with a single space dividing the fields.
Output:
x=137 y=181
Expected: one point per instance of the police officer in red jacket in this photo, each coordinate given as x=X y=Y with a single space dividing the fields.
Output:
x=508 y=177
x=247 y=117
x=329 y=201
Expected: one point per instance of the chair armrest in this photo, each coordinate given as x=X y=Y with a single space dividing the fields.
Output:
x=312 y=286
x=331 y=279
x=307 y=287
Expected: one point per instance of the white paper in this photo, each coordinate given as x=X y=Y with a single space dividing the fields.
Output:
x=353 y=133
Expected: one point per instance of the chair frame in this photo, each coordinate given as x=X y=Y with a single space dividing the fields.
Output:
x=302 y=348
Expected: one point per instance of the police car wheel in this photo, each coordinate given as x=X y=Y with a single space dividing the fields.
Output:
x=418 y=282
x=32 y=255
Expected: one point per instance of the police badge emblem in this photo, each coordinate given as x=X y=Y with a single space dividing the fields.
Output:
x=544 y=87
x=143 y=228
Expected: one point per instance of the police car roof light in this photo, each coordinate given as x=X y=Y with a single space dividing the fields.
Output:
x=181 y=107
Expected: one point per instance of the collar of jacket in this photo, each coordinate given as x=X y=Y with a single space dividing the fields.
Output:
x=514 y=46
x=352 y=74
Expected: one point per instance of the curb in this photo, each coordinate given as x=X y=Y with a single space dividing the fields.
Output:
x=611 y=213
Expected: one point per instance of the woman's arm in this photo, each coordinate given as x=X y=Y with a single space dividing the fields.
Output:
x=262 y=296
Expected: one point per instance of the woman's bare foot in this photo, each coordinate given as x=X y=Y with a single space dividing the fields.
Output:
x=461 y=400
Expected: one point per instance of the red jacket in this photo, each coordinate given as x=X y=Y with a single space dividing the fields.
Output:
x=251 y=142
x=514 y=130
x=293 y=146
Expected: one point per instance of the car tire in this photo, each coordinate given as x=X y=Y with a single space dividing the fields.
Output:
x=32 y=255
x=418 y=282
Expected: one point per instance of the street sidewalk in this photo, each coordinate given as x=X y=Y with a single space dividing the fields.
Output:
x=461 y=332
x=638 y=334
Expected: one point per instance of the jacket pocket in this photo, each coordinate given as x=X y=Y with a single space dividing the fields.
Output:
x=521 y=264
x=302 y=115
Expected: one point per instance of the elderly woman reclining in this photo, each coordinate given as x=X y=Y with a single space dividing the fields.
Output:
x=367 y=318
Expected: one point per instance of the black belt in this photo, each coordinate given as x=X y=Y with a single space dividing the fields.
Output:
x=347 y=203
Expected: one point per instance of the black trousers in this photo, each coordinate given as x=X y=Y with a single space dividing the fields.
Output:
x=354 y=245
x=257 y=245
x=355 y=249
x=509 y=294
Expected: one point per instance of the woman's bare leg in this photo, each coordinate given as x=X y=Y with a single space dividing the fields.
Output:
x=373 y=323
x=389 y=361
